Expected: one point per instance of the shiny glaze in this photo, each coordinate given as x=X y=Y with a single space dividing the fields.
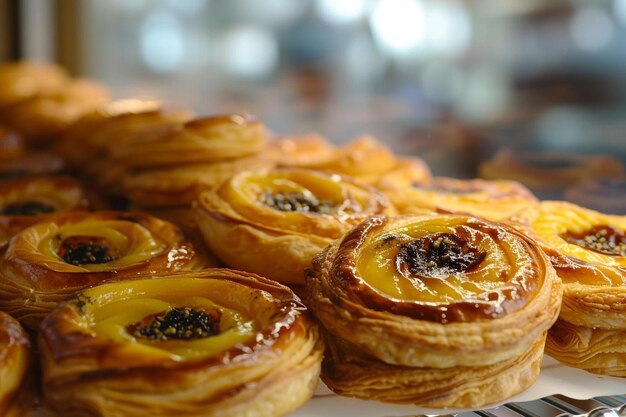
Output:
x=511 y=286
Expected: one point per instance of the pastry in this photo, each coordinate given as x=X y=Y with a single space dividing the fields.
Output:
x=26 y=201
x=203 y=344
x=494 y=200
x=273 y=222
x=549 y=173
x=436 y=310
x=52 y=259
x=198 y=141
x=43 y=118
x=20 y=81
x=31 y=164
x=11 y=144
x=606 y=196
x=364 y=158
x=588 y=251
x=15 y=361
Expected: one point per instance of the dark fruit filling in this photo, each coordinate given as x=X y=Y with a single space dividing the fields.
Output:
x=83 y=250
x=296 y=202
x=178 y=323
x=603 y=239
x=29 y=208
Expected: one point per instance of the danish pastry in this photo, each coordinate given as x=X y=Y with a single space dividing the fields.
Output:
x=211 y=343
x=494 y=200
x=22 y=80
x=15 y=361
x=440 y=311
x=588 y=251
x=52 y=259
x=273 y=222
x=24 y=202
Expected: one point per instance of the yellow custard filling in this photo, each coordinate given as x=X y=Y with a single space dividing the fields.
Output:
x=131 y=242
x=488 y=261
x=110 y=314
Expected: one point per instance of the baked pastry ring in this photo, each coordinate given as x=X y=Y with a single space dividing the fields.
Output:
x=22 y=80
x=273 y=222
x=448 y=302
x=364 y=158
x=493 y=200
x=50 y=260
x=550 y=172
x=15 y=361
x=45 y=117
x=26 y=201
x=198 y=141
x=210 y=343
x=588 y=251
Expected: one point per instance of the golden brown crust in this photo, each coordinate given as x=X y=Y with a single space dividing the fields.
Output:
x=248 y=234
x=479 y=327
x=493 y=200
x=269 y=372
x=15 y=362
x=198 y=141
x=22 y=80
x=352 y=373
x=45 y=117
x=599 y=351
x=35 y=273
x=26 y=201
x=550 y=170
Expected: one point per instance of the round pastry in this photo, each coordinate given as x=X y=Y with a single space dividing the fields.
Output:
x=363 y=158
x=203 y=344
x=113 y=123
x=274 y=222
x=588 y=251
x=30 y=164
x=22 y=80
x=52 y=259
x=494 y=200
x=204 y=140
x=45 y=117
x=606 y=196
x=15 y=360
x=550 y=172
x=180 y=186
x=440 y=311
x=24 y=202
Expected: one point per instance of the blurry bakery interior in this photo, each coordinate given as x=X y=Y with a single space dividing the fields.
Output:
x=533 y=91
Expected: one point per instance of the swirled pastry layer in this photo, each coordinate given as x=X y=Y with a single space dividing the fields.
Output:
x=435 y=291
x=50 y=260
x=274 y=222
x=24 y=202
x=494 y=200
x=15 y=362
x=588 y=251
x=211 y=343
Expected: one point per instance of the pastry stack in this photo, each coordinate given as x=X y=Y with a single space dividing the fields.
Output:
x=438 y=292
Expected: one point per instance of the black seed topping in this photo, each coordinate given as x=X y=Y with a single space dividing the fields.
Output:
x=437 y=256
x=29 y=208
x=83 y=250
x=603 y=239
x=296 y=202
x=178 y=323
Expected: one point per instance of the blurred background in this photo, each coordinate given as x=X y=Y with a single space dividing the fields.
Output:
x=450 y=81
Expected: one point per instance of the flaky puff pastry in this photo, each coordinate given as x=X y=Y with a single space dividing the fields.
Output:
x=448 y=302
x=493 y=200
x=204 y=140
x=52 y=259
x=216 y=343
x=113 y=123
x=273 y=222
x=20 y=81
x=588 y=251
x=364 y=158
x=42 y=119
x=15 y=362
x=26 y=201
